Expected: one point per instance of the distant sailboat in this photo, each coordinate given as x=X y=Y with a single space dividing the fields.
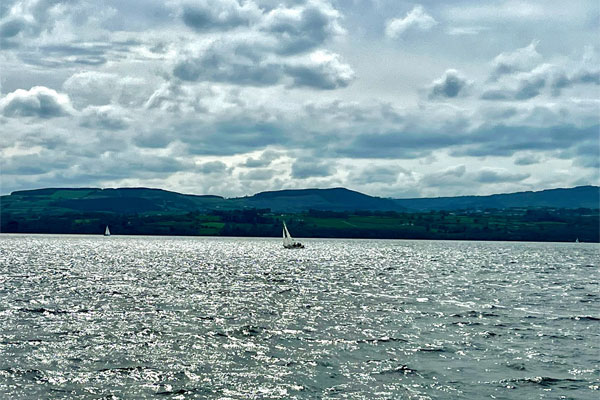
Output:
x=288 y=240
x=107 y=231
x=577 y=240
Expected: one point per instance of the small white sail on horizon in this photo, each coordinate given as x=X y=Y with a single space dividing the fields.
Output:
x=288 y=240
x=107 y=231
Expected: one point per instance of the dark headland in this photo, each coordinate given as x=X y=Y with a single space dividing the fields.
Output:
x=548 y=215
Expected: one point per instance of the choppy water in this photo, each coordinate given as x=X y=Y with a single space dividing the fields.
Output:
x=157 y=317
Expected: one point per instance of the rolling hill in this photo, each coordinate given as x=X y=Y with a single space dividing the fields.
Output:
x=55 y=201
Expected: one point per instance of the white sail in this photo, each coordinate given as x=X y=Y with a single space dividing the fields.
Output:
x=288 y=240
x=106 y=231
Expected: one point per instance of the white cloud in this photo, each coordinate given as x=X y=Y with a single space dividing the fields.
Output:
x=306 y=88
x=417 y=18
x=99 y=88
x=451 y=84
x=106 y=117
x=322 y=70
x=39 y=101
x=466 y=30
x=522 y=59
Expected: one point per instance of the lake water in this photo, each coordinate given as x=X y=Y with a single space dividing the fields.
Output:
x=238 y=318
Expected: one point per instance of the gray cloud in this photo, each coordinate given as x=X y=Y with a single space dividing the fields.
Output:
x=39 y=102
x=301 y=29
x=12 y=27
x=309 y=168
x=583 y=76
x=230 y=62
x=28 y=19
x=527 y=85
x=523 y=59
x=502 y=140
x=104 y=117
x=205 y=15
x=154 y=139
x=529 y=88
x=213 y=167
x=451 y=84
x=448 y=177
x=34 y=164
x=229 y=136
x=398 y=144
x=495 y=175
x=266 y=158
x=258 y=175
x=158 y=86
x=75 y=53
x=271 y=47
x=243 y=63
x=527 y=159
x=374 y=174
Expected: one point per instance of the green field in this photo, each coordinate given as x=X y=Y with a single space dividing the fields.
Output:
x=156 y=212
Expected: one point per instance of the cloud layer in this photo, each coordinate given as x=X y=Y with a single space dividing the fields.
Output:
x=233 y=97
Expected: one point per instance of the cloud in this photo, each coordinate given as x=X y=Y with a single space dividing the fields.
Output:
x=583 y=76
x=378 y=174
x=169 y=86
x=398 y=144
x=227 y=136
x=153 y=139
x=270 y=45
x=11 y=27
x=212 y=167
x=38 y=163
x=525 y=85
x=39 y=101
x=101 y=88
x=243 y=63
x=449 y=176
x=417 y=18
x=309 y=168
x=497 y=175
x=527 y=159
x=323 y=70
x=523 y=59
x=234 y=61
x=450 y=85
x=266 y=158
x=258 y=175
x=302 y=28
x=173 y=97
x=466 y=30
x=206 y=15
x=108 y=118
x=505 y=140
x=28 y=19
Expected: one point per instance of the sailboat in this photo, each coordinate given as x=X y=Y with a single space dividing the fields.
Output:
x=288 y=240
x=106 y=231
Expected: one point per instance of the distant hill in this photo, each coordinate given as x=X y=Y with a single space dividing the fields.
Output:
x=55 y=201
x=119 y=201
x=336 y=199
x=577 y=197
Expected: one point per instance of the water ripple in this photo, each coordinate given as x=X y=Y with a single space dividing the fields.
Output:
x=231 y=318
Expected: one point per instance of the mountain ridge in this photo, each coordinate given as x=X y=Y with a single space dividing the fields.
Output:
x=154 y=200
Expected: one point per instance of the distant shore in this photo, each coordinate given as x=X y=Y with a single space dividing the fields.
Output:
x=539 y=225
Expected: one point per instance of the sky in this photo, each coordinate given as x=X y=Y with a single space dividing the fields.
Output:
x=233 y=97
